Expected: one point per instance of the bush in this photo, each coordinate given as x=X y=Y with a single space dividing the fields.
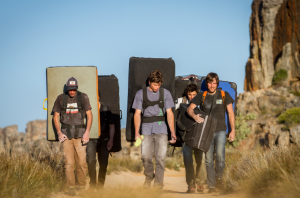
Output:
x=290 y=117
x=279 y=76
x=118 y=164
x=22 y=175
x=265 y=173
x=251 y=116
x=241 y=131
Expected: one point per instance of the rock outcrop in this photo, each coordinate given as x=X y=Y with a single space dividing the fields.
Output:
x=274 y=42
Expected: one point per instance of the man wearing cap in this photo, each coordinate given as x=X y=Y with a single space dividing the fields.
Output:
x=72 y=107
x=102 y=145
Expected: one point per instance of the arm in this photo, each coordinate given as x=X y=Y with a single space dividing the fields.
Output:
x=86 y=135
x=111 y=135
x=61 y=136
x=170 y=118
x=137 y=123
x=232 y=122
x=191 y=113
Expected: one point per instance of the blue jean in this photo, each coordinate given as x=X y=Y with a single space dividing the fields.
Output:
x=217 y=146
x=191 y=178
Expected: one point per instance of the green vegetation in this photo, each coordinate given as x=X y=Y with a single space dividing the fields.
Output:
x=118 y=164
x=290 y=117
x=241 y=131
x=264 y=173
x=279 y=76
x=295 y=93
x=22 y=175
x=263 y=110
x=250 y=116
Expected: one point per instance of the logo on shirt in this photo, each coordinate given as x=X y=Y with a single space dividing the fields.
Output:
x=72 y=108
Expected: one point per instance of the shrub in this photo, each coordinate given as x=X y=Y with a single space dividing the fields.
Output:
x=265 y=173
x=22 y=175
x=242 y=130
x=279 y=76
x=118 y=164
x=250 y=116
x=290 y=117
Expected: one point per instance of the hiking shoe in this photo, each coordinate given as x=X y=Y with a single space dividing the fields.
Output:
x=212 y=190
x=200 y=188
x=191 y=190
x=219 y=183
x=72 y=191
x=147 y=183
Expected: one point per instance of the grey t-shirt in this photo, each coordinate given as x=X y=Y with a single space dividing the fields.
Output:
x=155 y=127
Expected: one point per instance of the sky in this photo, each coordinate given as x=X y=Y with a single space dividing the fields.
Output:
x=201 y=37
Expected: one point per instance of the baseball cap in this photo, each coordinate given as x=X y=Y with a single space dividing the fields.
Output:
x=72 y=83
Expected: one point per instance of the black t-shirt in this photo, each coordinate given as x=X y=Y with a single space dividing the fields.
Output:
x=218 y=110
x=106 y=118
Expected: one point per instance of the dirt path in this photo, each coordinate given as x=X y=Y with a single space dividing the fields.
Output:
x=174 y=184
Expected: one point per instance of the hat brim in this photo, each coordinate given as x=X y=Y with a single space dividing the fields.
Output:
x=72 y=88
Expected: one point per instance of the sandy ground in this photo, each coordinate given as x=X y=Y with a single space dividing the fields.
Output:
x=174 y=184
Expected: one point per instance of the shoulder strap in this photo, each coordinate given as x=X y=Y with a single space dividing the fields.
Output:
x=79 y=100
x=203 y=98
x=65 y=100
x=184 y=99
x=223 y=98
x=161 y=98
x=147 y=102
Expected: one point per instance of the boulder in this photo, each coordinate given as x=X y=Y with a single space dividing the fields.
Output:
x=295 y=134
x=284 y=139
x=36 y=130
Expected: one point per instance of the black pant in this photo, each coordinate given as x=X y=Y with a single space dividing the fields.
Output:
x=99 y=146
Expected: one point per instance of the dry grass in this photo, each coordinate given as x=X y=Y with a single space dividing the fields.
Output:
x=118 y=164
x=24 y=175
x=271 y=173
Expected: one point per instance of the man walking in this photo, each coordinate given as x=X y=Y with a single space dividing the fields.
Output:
x=71 y=108
x=154 y=102
x=102 y=145
x=216 y=102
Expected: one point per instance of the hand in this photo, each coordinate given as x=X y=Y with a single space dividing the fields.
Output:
x=173 y=138
x=137 y=135
x=110 y=144
x=62 y=137
x=231 y=137
x=86 y=138
x=198 y=119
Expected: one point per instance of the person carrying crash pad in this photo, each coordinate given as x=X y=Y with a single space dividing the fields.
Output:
x=154 y=102
x=102 y=145
x=193 y=180
x=72 y=107
x=217 y=102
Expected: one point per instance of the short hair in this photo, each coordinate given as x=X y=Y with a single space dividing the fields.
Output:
x=210 y=77
x=190 y=88
x=156 y=76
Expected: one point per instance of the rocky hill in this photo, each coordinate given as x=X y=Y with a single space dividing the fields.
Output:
x=272 y=82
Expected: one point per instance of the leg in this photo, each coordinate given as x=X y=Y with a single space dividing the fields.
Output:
x=200 y=169
x=80 y=160
x=103 y=155
x=69 y=162
x=147 y=152
x=220 y=154
x=189 y=167
x=91 y=161
x=160 y=152
x=210 y=167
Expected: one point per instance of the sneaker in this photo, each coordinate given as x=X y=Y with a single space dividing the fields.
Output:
x=191 y=190
x=147 y=183
x=200 y=188
x=219 y=183
x=212 y=190
x=72 y=191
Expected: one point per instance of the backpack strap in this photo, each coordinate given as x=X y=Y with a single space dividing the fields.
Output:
x=203 y=98
x=147 y=103
x=223 y=98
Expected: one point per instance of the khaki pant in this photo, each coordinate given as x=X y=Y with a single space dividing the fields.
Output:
x=75 y=153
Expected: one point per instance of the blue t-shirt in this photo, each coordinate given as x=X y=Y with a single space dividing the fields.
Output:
x=155 y=127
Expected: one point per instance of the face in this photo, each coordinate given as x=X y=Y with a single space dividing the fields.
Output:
x=212 y=86
x=72 y=92
x=191 y=95
x=154 y=86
